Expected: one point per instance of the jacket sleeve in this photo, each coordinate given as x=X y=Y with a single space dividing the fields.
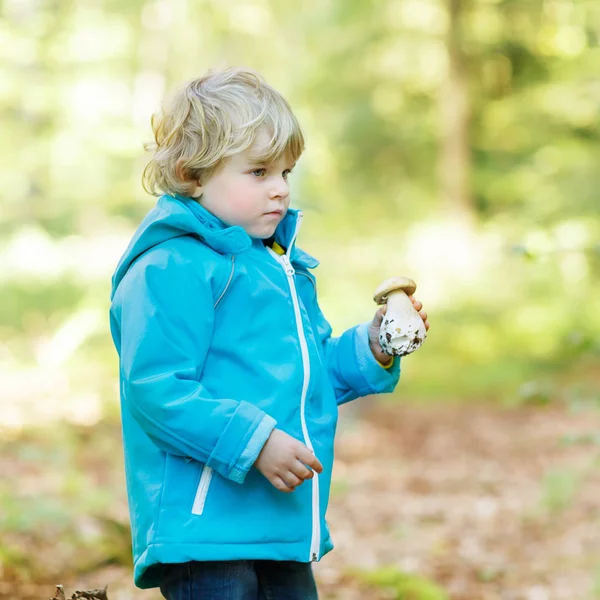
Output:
x=165 y=318
x=352 y=368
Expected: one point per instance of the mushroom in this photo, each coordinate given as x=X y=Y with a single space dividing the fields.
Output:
x=402 y=329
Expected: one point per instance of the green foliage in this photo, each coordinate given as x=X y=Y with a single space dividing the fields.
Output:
x=339 y=487
x=29 y=306
x=403 y=586
x=368 y=83
x=558 y=488
x=596 y=582
x=74 y=472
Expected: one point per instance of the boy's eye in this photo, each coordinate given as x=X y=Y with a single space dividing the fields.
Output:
x=286 y=173
x=259 y=172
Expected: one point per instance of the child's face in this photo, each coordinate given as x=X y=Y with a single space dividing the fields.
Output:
x=247 y=193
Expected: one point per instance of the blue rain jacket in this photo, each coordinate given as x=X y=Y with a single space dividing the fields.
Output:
x=220 y=340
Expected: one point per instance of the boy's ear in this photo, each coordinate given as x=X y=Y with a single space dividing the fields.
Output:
x=197 y=192
x=183 y=174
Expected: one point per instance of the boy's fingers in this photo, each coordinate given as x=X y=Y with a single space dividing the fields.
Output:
x=309 y=459
x=279 y=484
x=291 y=480
x=299 y=469
x=418 y=305
x=423 y=315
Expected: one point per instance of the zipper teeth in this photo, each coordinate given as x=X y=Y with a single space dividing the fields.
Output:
x=284 y=260
x=314 y=543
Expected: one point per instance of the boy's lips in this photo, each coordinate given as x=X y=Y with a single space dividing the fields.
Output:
x=275 y=213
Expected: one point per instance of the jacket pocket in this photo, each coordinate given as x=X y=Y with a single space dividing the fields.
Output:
x=202 y=491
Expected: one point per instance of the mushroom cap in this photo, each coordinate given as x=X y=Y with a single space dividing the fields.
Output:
x=408 y=286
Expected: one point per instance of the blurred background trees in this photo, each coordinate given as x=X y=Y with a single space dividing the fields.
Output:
x=454 y=141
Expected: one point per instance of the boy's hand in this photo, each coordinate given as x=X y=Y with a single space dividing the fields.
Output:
x=284 y=461
x=375 y=326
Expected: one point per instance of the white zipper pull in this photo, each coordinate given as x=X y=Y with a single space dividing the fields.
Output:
x=287 y=265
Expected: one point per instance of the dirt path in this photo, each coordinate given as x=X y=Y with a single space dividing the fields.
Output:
x=491 y=504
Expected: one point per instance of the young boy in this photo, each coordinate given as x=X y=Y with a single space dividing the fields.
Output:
x=230 y=379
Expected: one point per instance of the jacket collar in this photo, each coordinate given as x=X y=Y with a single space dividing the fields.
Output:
x=227 y=239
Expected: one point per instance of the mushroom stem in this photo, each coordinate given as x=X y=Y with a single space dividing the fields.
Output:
x=398 y=302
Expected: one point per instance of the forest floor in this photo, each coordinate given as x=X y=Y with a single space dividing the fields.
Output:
x=488 y=503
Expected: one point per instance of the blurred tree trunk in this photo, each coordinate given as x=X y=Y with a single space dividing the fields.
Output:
x=455 y=115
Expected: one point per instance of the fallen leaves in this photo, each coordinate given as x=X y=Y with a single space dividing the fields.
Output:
x=481 y=502
x=473 y=498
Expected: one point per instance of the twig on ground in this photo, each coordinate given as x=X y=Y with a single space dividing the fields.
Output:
x=88 y=595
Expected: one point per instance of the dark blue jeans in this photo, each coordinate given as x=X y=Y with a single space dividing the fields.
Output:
x=239 y=580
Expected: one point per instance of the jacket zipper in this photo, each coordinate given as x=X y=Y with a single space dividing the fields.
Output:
x=284 y=260
x=202 y=491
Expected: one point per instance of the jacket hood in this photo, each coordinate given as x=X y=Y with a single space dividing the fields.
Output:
x=175 y=216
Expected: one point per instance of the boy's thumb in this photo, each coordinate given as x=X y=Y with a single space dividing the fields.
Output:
x=379 y=315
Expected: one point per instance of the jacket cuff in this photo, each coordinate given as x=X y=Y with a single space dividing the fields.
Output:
x=370 y=377
x=386 y=365
x=226 y=455
x=252 y=450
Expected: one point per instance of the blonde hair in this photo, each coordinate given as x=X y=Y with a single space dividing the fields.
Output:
x=211 y=118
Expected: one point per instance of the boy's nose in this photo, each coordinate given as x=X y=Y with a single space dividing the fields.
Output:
x=280 y=189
